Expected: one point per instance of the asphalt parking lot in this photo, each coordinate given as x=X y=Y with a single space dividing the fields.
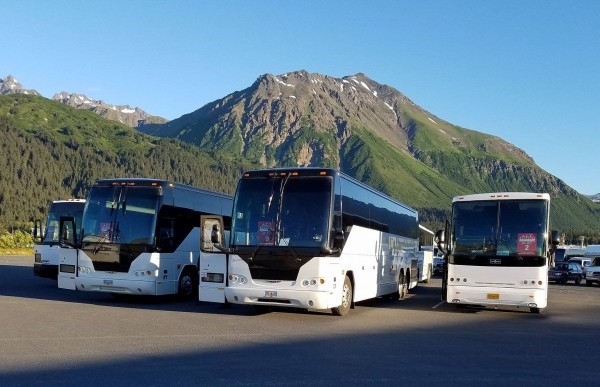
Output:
x=51 y=336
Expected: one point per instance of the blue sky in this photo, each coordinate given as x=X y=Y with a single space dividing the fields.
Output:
x=526 y=71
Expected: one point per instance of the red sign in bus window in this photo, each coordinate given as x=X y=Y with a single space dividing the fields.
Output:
x=266 y=233
x=526 y=244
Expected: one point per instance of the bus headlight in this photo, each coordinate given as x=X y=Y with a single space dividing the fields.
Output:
x=312 y=282
x=84 y=270
x=145 y=273
x=237 y=279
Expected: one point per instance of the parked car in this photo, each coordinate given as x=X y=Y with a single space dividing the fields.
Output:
x=565 y=272
x=583 y=261
x=592 y=272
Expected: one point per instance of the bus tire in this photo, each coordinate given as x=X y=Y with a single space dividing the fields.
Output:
x=402 y=286
x=536 y=310
x=346 y=303
x=188 y=283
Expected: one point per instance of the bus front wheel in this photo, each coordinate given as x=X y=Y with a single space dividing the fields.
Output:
x=346 y=303
x=188 y=283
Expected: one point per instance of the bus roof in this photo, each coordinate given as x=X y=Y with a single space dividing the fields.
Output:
x=501 y=196
x=149 y=182
x=69 y=201
x=295 y=171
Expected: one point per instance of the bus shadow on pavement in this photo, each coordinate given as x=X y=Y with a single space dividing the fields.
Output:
x=19 y=281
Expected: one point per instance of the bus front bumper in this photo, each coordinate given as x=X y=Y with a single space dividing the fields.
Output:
x=306 y=299
x=116 y=286
x=519 y=297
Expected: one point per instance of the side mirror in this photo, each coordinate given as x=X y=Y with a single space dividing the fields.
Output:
x=440 y=240
x=555 y=238
x=440 y=236
x=211 y=237
x=215 y=235
x=68 y=232
x=37 y=230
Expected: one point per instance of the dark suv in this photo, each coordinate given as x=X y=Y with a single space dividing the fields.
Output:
x=565 y=272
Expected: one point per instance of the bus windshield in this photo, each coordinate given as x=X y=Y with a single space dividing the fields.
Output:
x=121 y=215
x=502 y=228
x=282 y=211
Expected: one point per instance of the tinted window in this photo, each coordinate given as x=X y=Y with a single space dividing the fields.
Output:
x=277 y=211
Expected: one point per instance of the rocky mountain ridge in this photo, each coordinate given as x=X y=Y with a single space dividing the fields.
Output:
x=124 y=114
x=10 y=85
x=276 y=108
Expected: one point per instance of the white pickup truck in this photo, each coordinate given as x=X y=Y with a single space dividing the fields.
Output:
x=592 y=272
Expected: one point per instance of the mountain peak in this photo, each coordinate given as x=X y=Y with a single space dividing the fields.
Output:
x=266 y=121
x=134 y=117
x=125 y=114
x=10 y=85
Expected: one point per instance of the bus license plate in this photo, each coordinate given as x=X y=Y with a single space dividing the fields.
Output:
x=270 y=294
x=493 y=296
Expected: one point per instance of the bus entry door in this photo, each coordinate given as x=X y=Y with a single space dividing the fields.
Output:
x=213 y=262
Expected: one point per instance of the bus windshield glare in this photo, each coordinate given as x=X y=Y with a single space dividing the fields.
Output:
x=121 y=215
x=282 y=211
x=502 y=228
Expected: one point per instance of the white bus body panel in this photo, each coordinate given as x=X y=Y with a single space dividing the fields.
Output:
x=67 y=265
x=211 y=288
x=150 y=274
x=508 y=289
x=375 y=260
x=47 y=258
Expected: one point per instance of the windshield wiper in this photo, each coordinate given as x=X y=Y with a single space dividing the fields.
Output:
x=279 y=207
x=100 y=241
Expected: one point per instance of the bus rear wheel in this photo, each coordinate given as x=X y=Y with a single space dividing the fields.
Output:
x=346 y=303
x=402 y=286
x=402 y=290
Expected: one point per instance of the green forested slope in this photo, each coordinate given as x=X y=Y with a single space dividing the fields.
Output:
x=50 y=151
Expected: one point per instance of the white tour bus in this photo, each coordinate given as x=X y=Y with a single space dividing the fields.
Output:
x=314 y=238
x=140 y=236
x=498 y=251
x=47 y=247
